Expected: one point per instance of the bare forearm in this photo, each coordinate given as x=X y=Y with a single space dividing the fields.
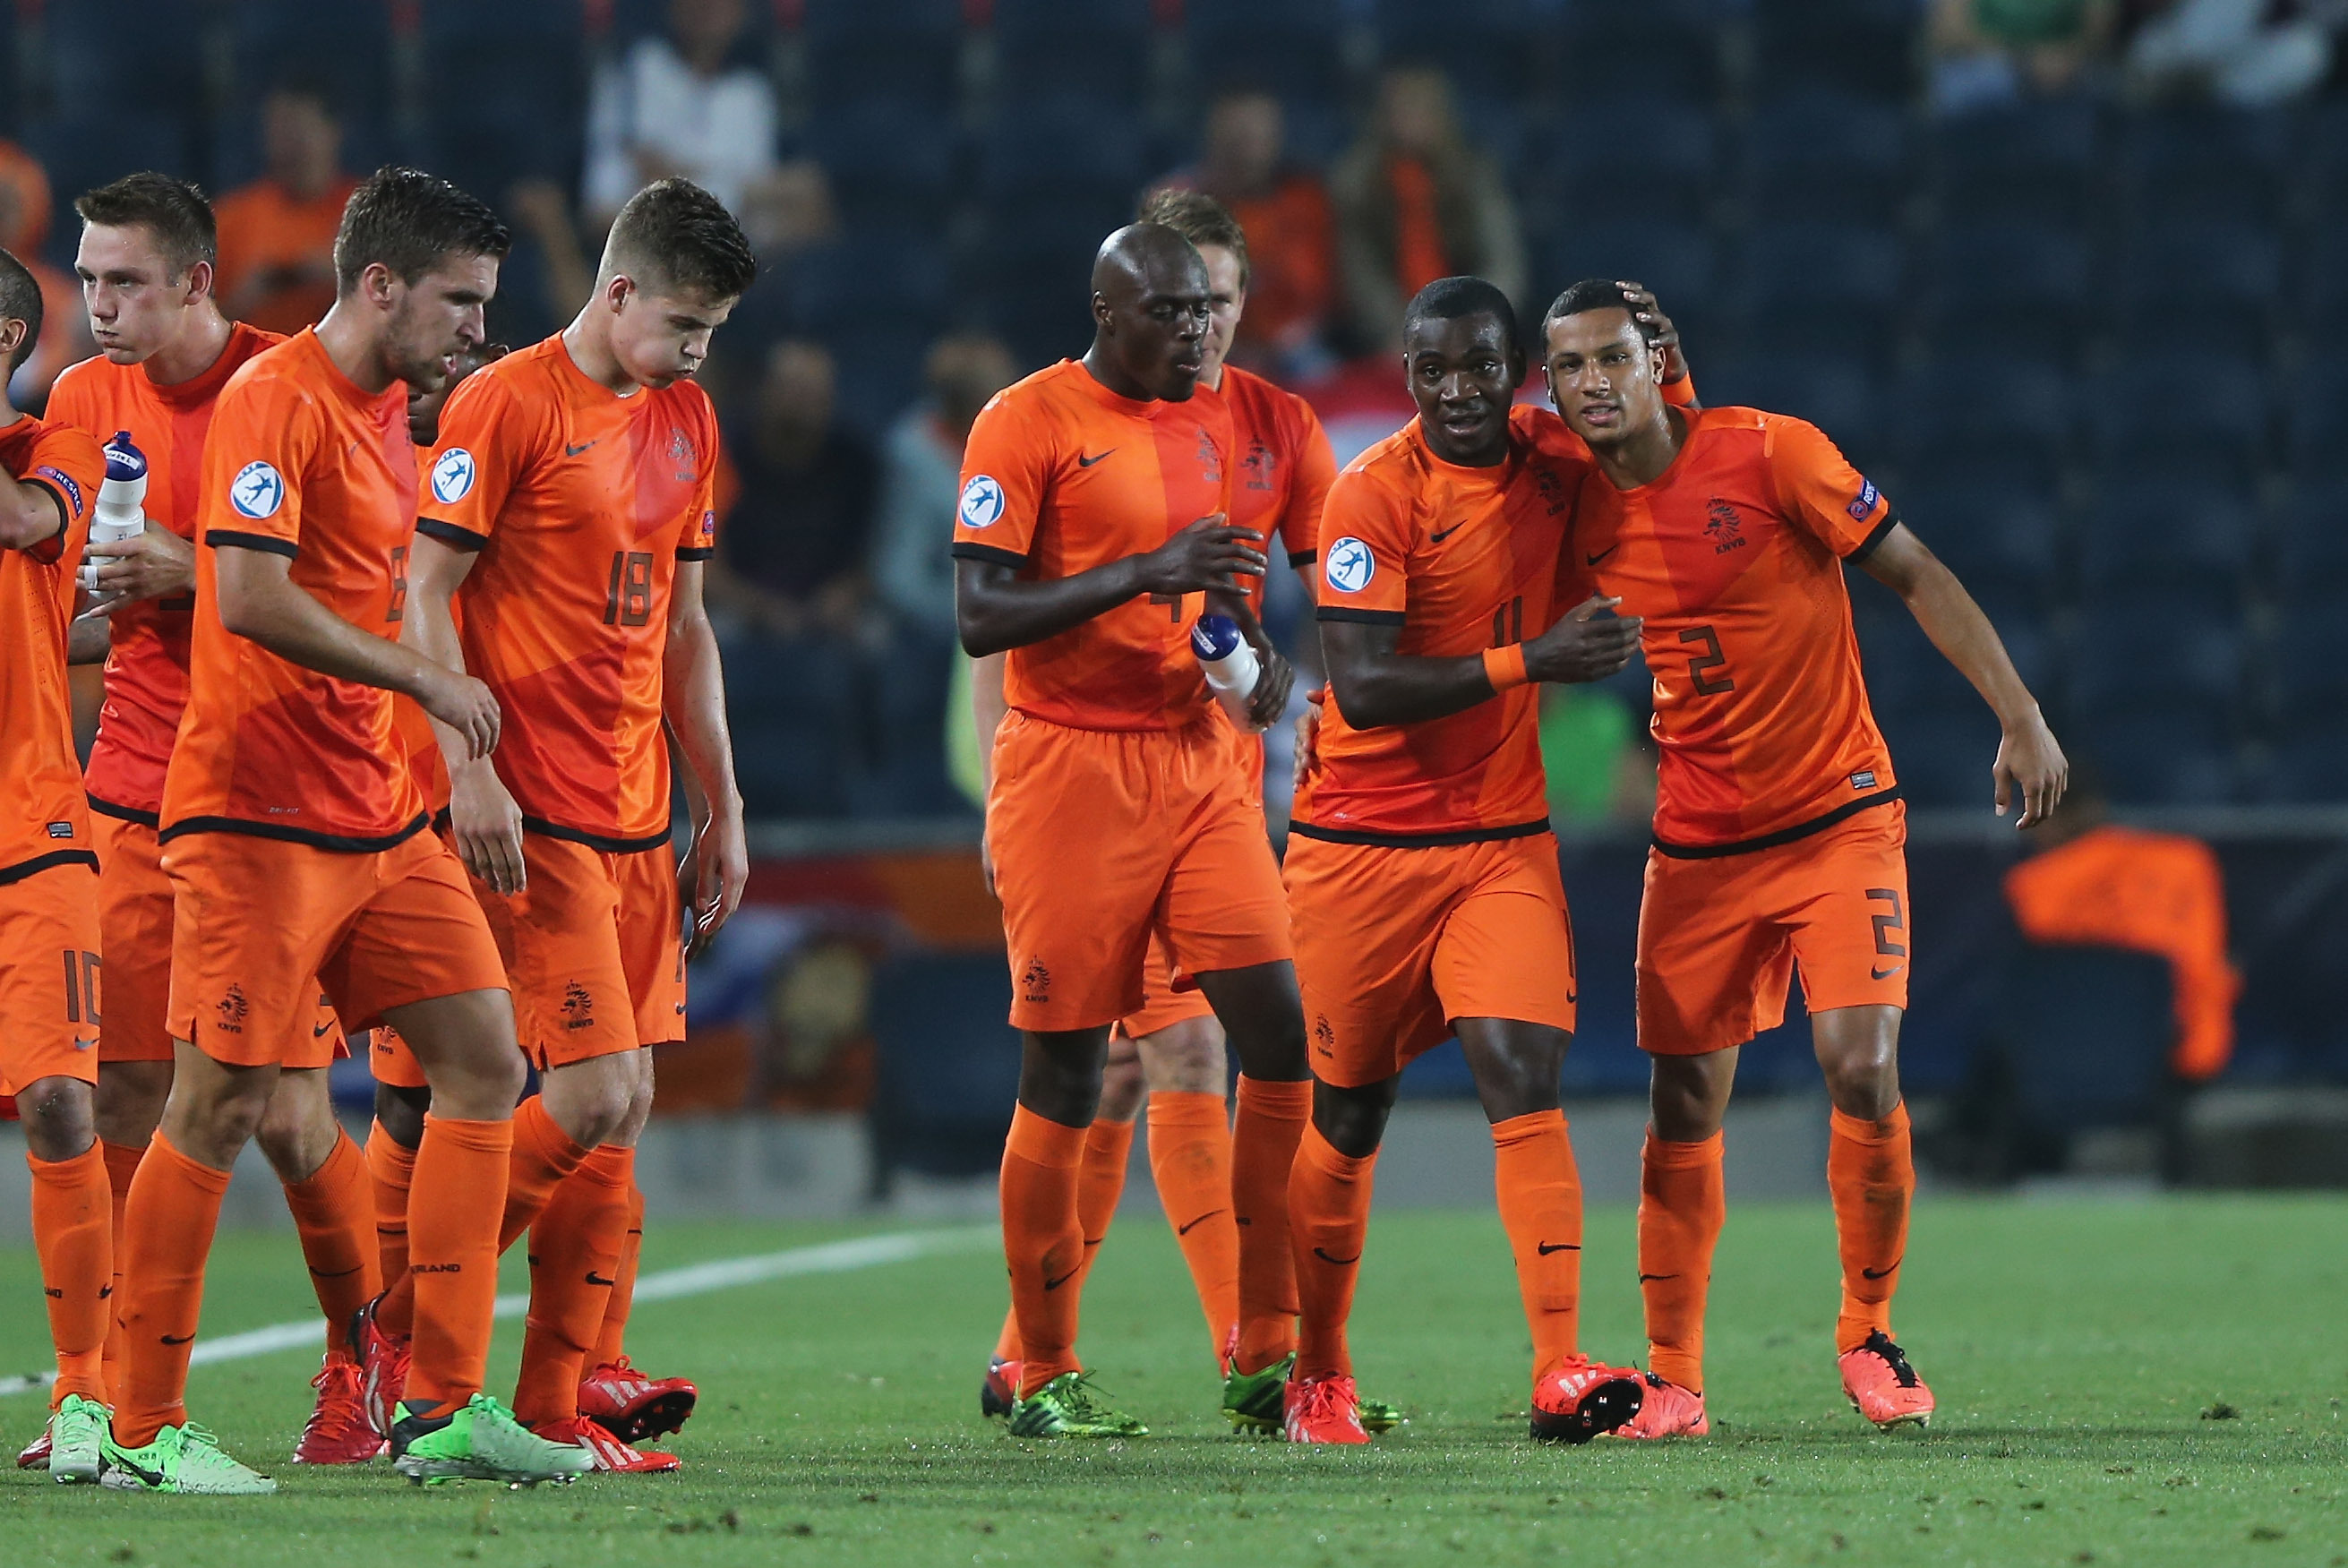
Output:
x=29 y=515
x=283 y=618
x=1374 y=686
x=693 y=701
x=995 y=612
x=429 y=630
x=87 y=642
x=987 y=708
x=1967 y=640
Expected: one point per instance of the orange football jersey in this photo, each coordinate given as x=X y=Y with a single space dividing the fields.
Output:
x=1062 y=475
x=302 y=462
x=1462 y=560
x=1285 y=468
x=147 y=665
x=43 y=821
x=581 y=503
x=1733 y=558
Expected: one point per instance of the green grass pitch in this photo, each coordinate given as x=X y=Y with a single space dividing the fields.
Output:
x=2119 y=1383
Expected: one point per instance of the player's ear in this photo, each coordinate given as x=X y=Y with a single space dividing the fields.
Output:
x=1103 y=316
x=12 y=338
x=200 y=279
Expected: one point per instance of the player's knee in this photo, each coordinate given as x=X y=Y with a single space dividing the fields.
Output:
x=128 y=1101
x=1185 y=1058
x=1122 y=1089
x=399 y=1111
x=1353 y=1120
x=1862 y=1077
x=59 y=1117
x=1686 y=1097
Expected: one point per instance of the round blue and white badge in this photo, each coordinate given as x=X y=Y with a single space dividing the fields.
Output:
x=258 y=489
x=1349 y=565
x=982 y=502
x=452 y=476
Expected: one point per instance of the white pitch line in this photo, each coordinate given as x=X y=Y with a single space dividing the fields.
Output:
x=667 y=1284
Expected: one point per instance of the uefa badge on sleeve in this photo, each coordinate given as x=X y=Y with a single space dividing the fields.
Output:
x=452 y=476
x=1349 y=565
x=982 y=502
x=258 y=491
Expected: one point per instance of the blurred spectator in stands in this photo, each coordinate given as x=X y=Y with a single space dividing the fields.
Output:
x=2247 y=54
x=920 y=477
x=1292 y=243
x=1992 y=52
x=786 y=215
x=277 y=235
x=2094 y=883
x=681 y=104
x=790 y=553
x=1417 y=202
x=65 y=324
x=1598 y=769
x=816 y=1051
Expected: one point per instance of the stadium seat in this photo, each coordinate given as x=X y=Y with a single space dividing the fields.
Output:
x=90 y=71
x=892 y=163
x=2322 y=292
x=1866 y=46
x=2309 y=766
x=2156 y=530
x=505 y=91
x=2033 y=161
x=1820 y=289
x=1675 y=260
x=1839 y=394
x=2182 y=401
x=2001 y=540
x=797 y=748
x=906 y=52
x=80 y=154
x=1093 y=48
x=870 y=276
x=2312 y=541
x=1063 y=150
x=2018 y=282
x=910 y=688
x=1294 y=49
x=2176 y=758
x=368 y=142
x=2311 y=677
x=2086 y=1033
x=1485 y=47
x=1571 y=180
x=2204 y=162
x=2170 y=269
x=345 y=48
x=1670 y=49
x=1942 y=756
x=2315 y=413
x=1975 y=408
x=947 y=1069
x=12 y=102
x=1827 y=156
x=2150 y=652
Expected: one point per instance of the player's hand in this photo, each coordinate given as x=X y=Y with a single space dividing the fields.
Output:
x=1308 y=731
x=1273 y=684
x=1657 y=326
x=487 y=826
x=155 y=564
x=1586 y=645
x=1210 y=553
x=2030 y=766
x=721 y=869
x=464 y=705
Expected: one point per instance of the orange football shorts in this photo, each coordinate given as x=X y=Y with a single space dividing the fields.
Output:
x=1101 y=839
x=1394 y=943
x=594 y=944
x=1720 y=938
x=254 y=919
x=50 y=990
x=134 y=929
x=393 y=1060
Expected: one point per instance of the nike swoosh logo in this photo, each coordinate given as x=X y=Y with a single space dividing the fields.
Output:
x=1645 y=1278
x=1186 y=1230
x=1056 y=1284
x=1439 y=535
x=1884 y=1273
x=1885 y=974
x=322 y=1031
x=594 y=1278
x=1549 y=1247
x=1594 y=560
x=571 y=451
x=1340 y=1263
x=1086 y=462
x=182 y=1339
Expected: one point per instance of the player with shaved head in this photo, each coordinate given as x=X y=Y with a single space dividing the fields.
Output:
x=1093 y=529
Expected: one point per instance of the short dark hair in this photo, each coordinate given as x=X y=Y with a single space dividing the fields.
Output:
x=675 y=232
x=1590 y=295
x=171 y=210
x=20 y=300
x=1200 y=219
x=1448 y=299
x=408 y=220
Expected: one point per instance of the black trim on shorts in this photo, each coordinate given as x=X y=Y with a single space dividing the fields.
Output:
x=603 y=841
x=1875 y=537
x=1366 y=617
x=449 y=534
x=1422 y=841
x=1783 y=835
x=216 y=537
x=964 y=550
x=1300 y=558
x=695 y=552
x=338 y=843
x=49 y=862
x=121 y=813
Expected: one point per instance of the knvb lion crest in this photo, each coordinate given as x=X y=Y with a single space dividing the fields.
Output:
x=682 y=452
x=1723 y=527
x=1259 y=465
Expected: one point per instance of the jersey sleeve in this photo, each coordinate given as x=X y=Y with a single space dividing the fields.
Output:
x=1314 y=471
x=1364 y=553
x=1821 y=493
x=1006 y=470
x=697 y=535
x=69 y=464
x=485 y=438
x=263 y=434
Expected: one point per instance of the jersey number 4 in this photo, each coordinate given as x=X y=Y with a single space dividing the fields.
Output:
x=628 y=601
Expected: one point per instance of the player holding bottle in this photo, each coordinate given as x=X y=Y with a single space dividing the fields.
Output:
x=1779 y=830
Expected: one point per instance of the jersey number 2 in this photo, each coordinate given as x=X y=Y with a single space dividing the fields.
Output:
x=628 y=601
x=1712 y=658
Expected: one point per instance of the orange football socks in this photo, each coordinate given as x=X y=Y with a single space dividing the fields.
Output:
x=73 y=1233
x=1871 y=1177
x=1100 y=1183
x=1043 y=1242
x=613 y=1343
x=391 y=1167
x=167 y=1234
x=574 y=1254
x=1328 y=1206
x=1271 y=1120
x=121 y=1164
x=458 y=1194
x=1539 y=1190
x=334 y=1209
x=1683 y=1203
x=1191 y=1162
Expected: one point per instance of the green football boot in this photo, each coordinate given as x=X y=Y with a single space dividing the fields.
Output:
x=1255 y=1402
x=77 y=1440
x=184 y=1460
x=480 y=1442
x=1067 y=1407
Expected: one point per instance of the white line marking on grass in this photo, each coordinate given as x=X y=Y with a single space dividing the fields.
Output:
x=667 y=1284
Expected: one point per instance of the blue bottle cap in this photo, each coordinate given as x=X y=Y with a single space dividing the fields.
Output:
x=1215 y=638
x=123 y=460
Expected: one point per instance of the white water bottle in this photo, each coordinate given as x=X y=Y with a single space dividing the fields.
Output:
x=121 y=511
x=1230 y=664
